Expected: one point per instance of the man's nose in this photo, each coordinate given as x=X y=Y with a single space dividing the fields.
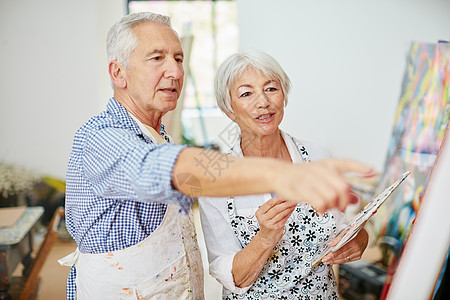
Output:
x=174 y=69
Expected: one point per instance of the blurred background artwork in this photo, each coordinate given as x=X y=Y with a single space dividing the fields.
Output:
x=420 y=123
x=427 y=248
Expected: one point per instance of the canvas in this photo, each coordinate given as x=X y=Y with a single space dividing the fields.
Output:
x=426 y=250
x=420 y=121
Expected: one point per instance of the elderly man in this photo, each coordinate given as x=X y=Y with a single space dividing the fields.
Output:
x=129 y=189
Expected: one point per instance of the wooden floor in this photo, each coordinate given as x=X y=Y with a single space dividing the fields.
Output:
x=53 y=275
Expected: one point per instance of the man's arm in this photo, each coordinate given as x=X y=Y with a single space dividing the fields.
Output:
x=201 y=172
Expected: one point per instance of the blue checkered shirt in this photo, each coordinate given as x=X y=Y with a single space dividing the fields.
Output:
x=118 y=184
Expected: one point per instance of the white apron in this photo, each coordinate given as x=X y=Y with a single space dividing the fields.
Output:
x=166 y=265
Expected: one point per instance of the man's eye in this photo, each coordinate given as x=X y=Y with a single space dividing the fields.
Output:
x=180 y=60
x=157 y=58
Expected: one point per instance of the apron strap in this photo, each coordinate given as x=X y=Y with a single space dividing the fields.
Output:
x=71 y=259
x=159 y=139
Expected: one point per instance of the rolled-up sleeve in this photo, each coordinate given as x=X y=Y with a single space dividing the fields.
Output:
x=221 y=269
x=120 y=165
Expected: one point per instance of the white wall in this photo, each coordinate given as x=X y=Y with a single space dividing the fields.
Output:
x=53 y=76
x=346 y=61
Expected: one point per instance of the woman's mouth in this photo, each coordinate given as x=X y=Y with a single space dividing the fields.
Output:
x=265 y=116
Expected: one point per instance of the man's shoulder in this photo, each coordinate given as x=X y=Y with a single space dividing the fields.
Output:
x=98 y=122
x=102 y=127
x=115 y=116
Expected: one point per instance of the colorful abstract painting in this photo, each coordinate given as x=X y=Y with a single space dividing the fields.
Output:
x=420 y=122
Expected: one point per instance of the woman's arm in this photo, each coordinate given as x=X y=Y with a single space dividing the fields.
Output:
x=248 y=263
x=351 y=251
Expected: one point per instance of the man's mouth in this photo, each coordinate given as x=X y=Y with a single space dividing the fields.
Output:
x=169 y=90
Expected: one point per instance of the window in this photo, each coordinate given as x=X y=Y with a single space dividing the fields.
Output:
x=213 y=26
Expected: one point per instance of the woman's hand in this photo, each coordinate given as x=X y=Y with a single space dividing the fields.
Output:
x=272 y=217
x=351 y=251
x=248 y=263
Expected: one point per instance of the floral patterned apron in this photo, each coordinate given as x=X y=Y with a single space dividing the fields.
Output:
x=288 y=272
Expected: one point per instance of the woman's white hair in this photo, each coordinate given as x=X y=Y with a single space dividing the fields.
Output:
x=121 y=40
x=237 y=63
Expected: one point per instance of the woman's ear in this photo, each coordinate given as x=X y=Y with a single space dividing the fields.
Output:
x=117 y=74
x=231 y=116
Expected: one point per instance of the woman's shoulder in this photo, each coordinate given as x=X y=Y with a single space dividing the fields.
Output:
x=314 y=150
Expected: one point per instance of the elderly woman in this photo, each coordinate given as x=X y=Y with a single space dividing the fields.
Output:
x=260 y=246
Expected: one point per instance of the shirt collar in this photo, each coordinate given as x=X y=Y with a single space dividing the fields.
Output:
x=124 y=117
x=119 y=112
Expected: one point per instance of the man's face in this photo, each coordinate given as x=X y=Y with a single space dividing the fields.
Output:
x=154 y=77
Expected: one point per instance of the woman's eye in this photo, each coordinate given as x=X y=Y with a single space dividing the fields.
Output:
x=246 y=94
x=271 y=89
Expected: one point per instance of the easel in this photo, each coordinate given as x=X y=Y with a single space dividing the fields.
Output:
x=428 y=244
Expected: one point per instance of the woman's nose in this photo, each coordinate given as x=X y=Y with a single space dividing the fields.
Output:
x=262 y=100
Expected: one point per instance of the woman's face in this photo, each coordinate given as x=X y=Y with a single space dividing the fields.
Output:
x=257 y=102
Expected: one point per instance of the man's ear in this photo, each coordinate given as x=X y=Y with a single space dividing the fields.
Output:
x=117 y=74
